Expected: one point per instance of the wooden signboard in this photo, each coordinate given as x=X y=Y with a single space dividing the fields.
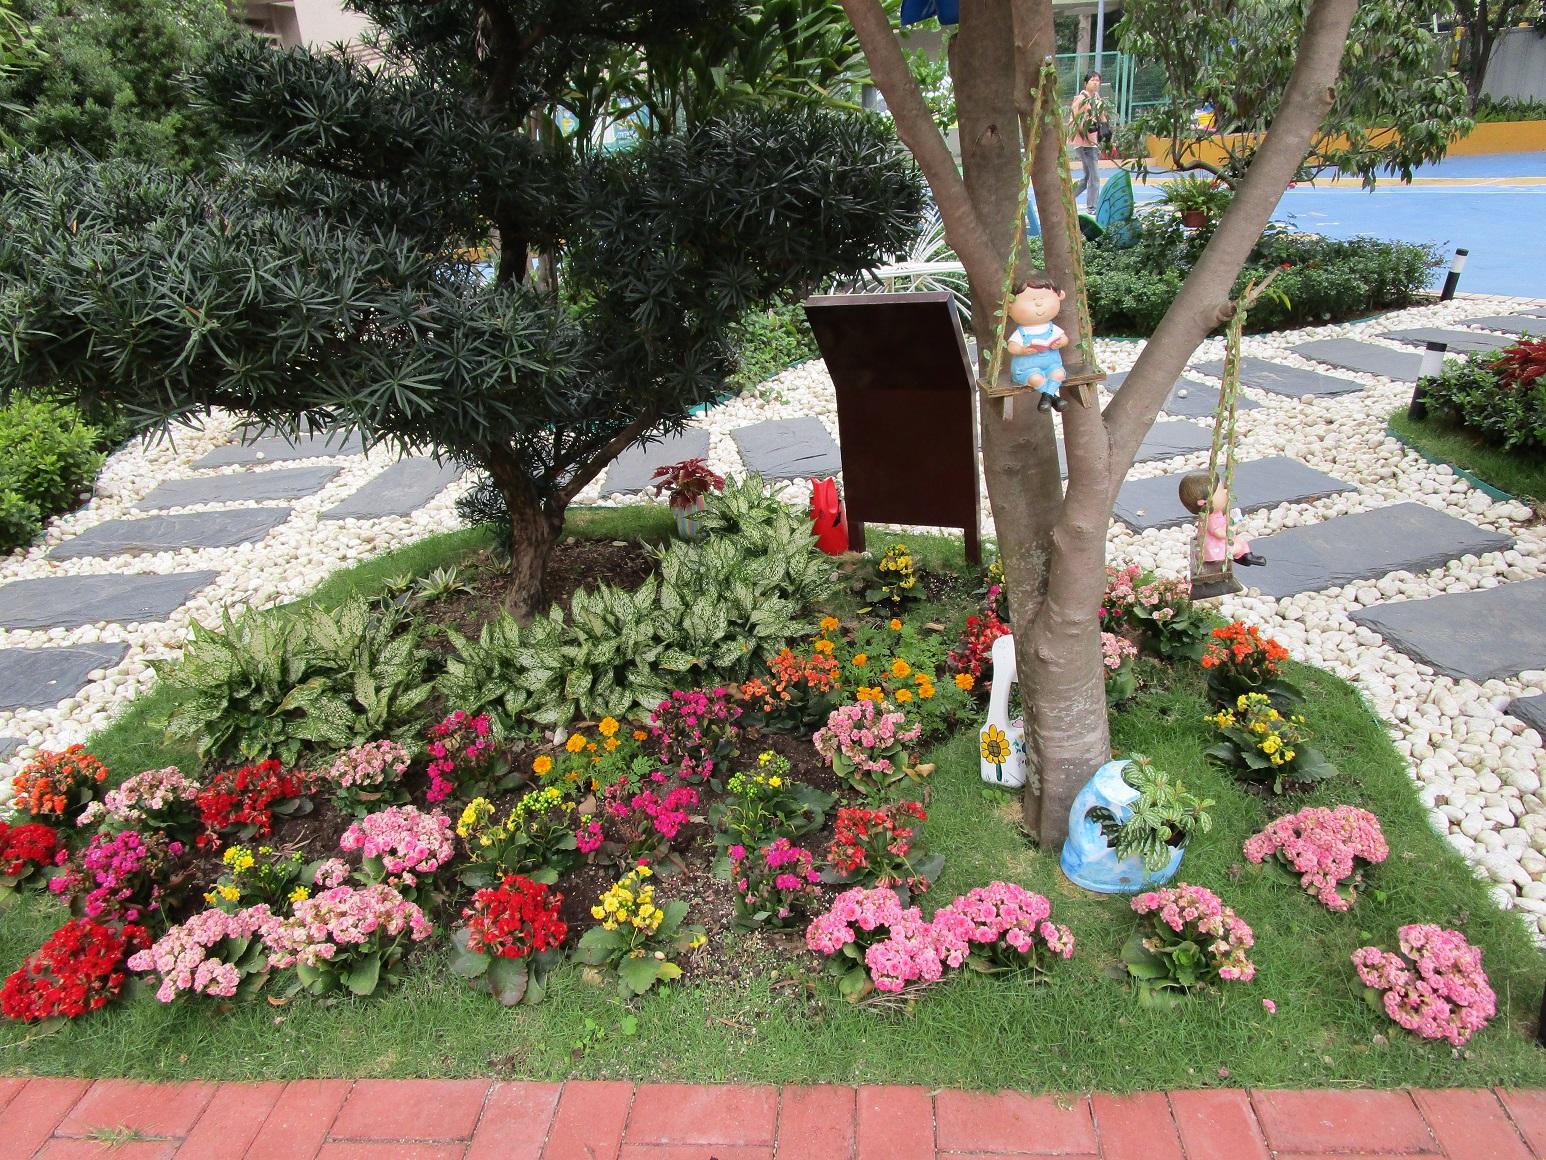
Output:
x=905 y=399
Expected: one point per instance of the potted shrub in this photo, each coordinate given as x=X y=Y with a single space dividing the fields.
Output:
x=684 y=485
x=1129 y=827
x=1197 y=199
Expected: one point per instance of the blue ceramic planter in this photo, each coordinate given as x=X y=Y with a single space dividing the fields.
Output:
x=1087 y=859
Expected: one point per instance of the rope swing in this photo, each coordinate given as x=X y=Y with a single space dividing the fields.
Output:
x=1086 y=344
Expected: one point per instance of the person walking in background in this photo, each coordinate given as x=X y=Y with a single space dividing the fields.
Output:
x=1086 y=118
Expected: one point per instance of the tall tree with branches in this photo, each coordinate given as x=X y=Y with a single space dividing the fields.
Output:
x=326 y=281
x=1053 y=539
x=1484 y=21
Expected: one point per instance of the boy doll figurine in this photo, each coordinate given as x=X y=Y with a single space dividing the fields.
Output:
x=1035 y=341
x=1194 y=497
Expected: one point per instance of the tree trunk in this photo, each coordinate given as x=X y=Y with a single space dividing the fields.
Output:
x=535 y=526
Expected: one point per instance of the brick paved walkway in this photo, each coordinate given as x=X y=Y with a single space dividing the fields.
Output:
x=435 y=1119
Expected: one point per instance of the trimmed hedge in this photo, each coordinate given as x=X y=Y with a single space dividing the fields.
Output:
x=1500 y=410
x=48 y=456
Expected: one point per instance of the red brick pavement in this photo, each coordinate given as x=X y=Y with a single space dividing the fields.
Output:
x=583 y=1120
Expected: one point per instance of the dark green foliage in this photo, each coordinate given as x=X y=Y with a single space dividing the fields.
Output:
x=1509 y=109
x=331 y=285
x=109 y=77
x=1472 y=393
x=47 y=457
x=766 y=342
x=1325 y=279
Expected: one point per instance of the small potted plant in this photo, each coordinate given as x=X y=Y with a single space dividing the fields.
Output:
x=1197 y=199
x=684 y=485
x=1129 y=827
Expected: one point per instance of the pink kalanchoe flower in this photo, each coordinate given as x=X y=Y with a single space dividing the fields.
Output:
x=1325 y=847
x=1269 y=1006
x=338 y=920
x=409 y=843
x=183 y=956
x=1434 y=984
x=1198 y=914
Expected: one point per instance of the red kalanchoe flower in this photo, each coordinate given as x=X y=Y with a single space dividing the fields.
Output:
x=79 y=969
x=515 y=919
x=236 y=799
x=26 y=848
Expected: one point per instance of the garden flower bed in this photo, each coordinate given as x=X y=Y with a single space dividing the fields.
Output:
x=1042 y=1005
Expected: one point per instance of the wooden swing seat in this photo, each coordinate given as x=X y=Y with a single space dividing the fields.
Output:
x=1009 y=390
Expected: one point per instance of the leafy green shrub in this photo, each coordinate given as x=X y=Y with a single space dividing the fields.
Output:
x=767 y=342
x=1499 y=395
x=1508 y=109
x=718 y=609
x=274 y=683
x=1325 y=278
x=47 y=456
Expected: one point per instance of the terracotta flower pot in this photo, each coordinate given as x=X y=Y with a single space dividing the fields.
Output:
x=1194 y=219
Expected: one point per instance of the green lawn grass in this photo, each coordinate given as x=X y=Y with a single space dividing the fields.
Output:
x=1521 y=474
x=1081 y=1030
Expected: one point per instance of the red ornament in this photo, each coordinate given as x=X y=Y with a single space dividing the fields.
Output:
x=828 y=518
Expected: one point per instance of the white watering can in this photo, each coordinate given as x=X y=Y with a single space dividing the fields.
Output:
x=1002 y=741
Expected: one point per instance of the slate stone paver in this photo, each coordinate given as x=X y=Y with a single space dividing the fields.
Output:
x=1402 y=537
x=221 y=529
x=788 y=449
x=1201 y=401
x=70 y=601
x=8 y=746
x=1281 y=379
x=1458 y=341
x=286 y=483
x=1259 y=483
x=1166 y=439
x=1482 y=634
x=1351 y=355
x=1529 y=324
x=279 y=449
x=400 y=490
x=1532 y=711
x=36 y=678
x=631 y=471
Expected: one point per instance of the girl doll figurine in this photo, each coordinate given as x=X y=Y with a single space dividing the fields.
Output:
x=1035 y=341
x=1194 y=497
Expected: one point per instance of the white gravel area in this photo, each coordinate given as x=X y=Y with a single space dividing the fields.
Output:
x=1479 y=771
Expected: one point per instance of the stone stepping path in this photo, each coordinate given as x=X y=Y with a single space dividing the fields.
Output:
x=286 y=483
x=788 y=449
x=631 y=471
x=1532 y=325
x=71 y=601
x=1367 y=357
x=1405 y=537
x=9 y=745
x=1281 y=379
x=37 y=678
x=1200 y=401
x=1259 y=483
x=221 y=529
x=1458 y=341
x=1481 y=635
x=400 y=490
x=279 y=449
x=1532 y=711
x=1166 y=439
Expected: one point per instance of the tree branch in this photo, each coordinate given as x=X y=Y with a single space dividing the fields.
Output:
x=613 y=448
x=1195 y=310
x=915 y=126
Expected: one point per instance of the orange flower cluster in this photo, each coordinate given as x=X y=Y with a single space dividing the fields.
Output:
x=52 y=784
x=819 y=673
x=1240 y=644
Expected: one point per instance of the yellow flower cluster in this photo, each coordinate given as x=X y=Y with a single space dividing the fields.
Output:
x=899 y=560
x=630 y=902
x=1276 y=735
x=237 y=859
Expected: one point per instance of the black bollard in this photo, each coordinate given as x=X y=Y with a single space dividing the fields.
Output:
x=1432 y=364
x=1452 y=279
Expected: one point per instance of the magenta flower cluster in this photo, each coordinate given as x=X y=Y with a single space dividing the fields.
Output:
x=666 y=813
x=863 y=732
x=588 y=836
x=460 y=742
x=140 y=797
x=409 y=843
x=1004 y=920
x=368 y=766
x=329 y=926
x=1434 y=985
x=1325 y=847
x=694 y=732
x=1199 y=915
x=183 y=955
x=780 y=879
x=117 y=874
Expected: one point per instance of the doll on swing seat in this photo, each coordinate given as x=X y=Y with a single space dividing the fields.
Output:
x=1194 y=497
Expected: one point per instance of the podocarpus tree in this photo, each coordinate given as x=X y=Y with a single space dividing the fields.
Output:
x=330 y=285
x=1397 y=107
x=1052 y=540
